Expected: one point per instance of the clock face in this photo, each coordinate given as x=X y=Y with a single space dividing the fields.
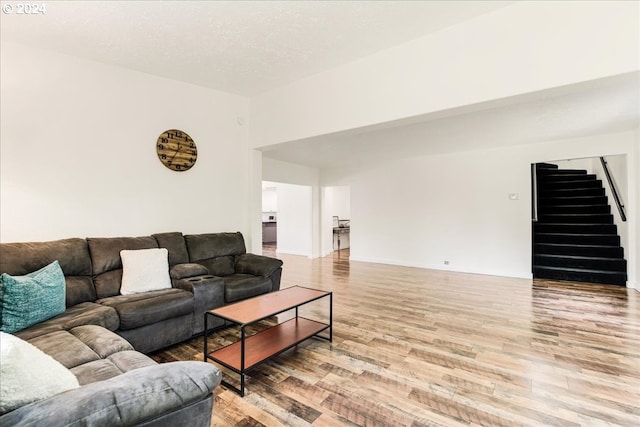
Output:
x=176 y=150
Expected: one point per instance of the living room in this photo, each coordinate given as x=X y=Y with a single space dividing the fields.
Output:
x=80 y=104
x=514 y=84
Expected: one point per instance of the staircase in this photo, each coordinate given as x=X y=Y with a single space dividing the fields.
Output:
x=575 y=237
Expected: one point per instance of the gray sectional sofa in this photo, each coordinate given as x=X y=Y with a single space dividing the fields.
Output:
x=102 y=335
x=118 y=386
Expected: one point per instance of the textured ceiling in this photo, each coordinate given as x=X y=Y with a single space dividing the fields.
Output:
x=248 y=47
x=243 y=47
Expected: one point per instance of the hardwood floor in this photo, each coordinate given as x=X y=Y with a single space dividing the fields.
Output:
x=415 y=347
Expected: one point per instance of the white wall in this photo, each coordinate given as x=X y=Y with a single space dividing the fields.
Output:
x=523 y=48
x=269 y=198
x=78 y=152
x=634 y=207
x=339 y=201
x=290 y=173
x=295 y=218
x=424 y=211
x=455 y=207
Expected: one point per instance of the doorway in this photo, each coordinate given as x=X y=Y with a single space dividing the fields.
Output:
x=286 y=218
x=336 y=220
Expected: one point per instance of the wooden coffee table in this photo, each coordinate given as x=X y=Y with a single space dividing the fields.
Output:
x=252 y=350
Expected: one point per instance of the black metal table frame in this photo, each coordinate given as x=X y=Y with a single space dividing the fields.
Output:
x=243 y=335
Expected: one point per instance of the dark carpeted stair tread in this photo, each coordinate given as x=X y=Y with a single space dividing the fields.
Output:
x=550 y=185
x=550 y=176
x=572 y=200
x=580 y=275
x=578 y=239
x=586 y=262
x=562 y=171
x=588 y=218
x=546 y=166
x=583 y=269
x=575 y=228
x=571 y=209
x=572 y=192
x=606 y=251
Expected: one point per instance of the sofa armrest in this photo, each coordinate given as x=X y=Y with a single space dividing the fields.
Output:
x=184 y=271
x=258 y=265
x=138 y=396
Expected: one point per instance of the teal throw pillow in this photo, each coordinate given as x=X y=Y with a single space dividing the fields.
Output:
x=32 y=298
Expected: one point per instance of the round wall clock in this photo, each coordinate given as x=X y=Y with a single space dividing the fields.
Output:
x=176 y=150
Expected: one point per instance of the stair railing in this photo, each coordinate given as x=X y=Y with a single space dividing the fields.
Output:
x=534 y=192
x=614 y=188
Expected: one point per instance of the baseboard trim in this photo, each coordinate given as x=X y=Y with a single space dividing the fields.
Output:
x=499 y=273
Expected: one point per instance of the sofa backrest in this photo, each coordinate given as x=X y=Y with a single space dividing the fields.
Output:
x=107 y=265
x=216 y=251
x=174 y=243
x=93 y=267
x=19 y=259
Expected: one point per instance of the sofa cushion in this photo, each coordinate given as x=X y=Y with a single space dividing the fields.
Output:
x=114 y=365
x=144 y=270
x=214 y=245
x=174 y=242
x=144 y=309
x=97 y=370
x=28 y=374
x=108 y=284
x=130 y=359
x=241 y=286
x=102 y=341
x=79 y=289
x=221 y=266
x=86 y=313
x=65 y=348
x=32 y=298
x=107 y=264
x=81 y=345
x=92 y=352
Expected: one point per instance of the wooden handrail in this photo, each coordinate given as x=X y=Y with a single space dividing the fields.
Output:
x=534 y=192
x=614 y=189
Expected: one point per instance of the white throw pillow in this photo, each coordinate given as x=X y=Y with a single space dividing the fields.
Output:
x=144 y=270
x=28 y=374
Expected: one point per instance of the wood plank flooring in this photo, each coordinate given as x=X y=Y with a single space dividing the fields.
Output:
x=416 y=347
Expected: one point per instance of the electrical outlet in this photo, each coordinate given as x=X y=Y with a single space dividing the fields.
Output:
x=446 y=262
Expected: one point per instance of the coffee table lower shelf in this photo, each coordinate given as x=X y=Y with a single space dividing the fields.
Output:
x=265 y=345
